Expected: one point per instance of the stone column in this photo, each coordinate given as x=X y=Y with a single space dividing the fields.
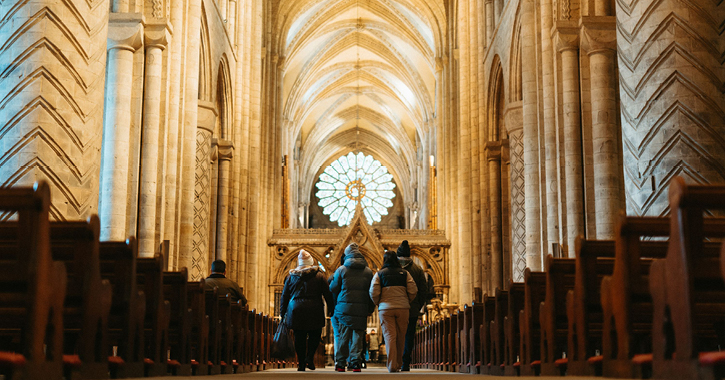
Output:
x=463 y=156
x=549 y=129
x=156 y=39
x=530 y=135
x=226 y=151
x=188 y=148
x=125 y=37
x=518 y=193
x=171 y=208
x=202 y=207
x=493 y=153
x=51 y=122
x=598 y=39
x=567 y=41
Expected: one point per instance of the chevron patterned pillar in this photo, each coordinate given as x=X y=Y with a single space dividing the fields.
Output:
x=51 y=80
x=671 y=90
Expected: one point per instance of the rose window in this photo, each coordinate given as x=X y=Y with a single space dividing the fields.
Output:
x=351 y=179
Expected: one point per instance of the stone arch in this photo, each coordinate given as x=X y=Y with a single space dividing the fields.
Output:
x=515 y=64
x=495 y=100
x=224 y=99
x=439 y=276
x=205 y=74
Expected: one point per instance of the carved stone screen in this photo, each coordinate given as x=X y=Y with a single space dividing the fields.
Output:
x=351 y=179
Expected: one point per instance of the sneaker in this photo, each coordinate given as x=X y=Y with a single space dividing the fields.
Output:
x=300 y=367
x=339 y=369
x=405 y=368
x=311 y=366
x=356 y=368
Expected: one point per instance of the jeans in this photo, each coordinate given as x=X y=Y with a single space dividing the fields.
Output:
x=409 y=341
x=394 y=323
x=348 y=346
x=306 y=342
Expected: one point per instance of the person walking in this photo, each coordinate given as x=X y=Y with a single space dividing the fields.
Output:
x=393 y=289
x=302 y=307
x=417 y=304
x=373 y=346
x=350 y=285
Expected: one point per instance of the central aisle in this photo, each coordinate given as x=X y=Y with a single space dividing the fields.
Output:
x=370 y=373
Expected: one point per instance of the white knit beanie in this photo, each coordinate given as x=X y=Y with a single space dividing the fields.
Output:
x=304 y=258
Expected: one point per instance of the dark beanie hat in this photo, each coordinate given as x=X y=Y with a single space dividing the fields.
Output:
x=404 y=249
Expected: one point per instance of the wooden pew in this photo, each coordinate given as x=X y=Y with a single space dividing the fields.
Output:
x=594 y=260
x=199 y=328
x=488 y=313
x=149 y=277
x=452 y=357
x=32 y=291
x=252 y=338
x=239 y=331
x=461 y=340
x=226 y=340
x=534 y=294
x=128 y=307
x=180 y=322
x=560 y=279
x=625 y=298
x=474 y=319
x=215 y=331
x=88 y=298
x=687 y=287
x=496 y=329
x=512 y=329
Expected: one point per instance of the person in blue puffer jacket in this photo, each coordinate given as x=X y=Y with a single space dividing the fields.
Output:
x=349 y=286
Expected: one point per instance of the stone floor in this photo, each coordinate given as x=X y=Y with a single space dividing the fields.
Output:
x=370 y=373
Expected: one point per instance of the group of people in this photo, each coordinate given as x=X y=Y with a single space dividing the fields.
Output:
x=399 y=290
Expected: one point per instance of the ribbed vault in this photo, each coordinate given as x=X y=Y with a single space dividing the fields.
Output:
x=359 y=74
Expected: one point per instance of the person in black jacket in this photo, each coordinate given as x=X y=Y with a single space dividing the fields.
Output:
x=302 y=307
x=416 y=305
x=350 y=285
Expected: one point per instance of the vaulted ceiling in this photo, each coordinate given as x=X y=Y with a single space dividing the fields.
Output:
x=359 y=73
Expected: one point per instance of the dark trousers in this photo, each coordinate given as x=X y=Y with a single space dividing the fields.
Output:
x=409 y=341
x=306 y=342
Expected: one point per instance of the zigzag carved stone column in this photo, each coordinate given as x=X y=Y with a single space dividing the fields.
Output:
x=51 y=126
x=673 y=108
x=518 y=195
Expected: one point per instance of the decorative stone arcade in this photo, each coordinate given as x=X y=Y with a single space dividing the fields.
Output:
x=429 y=248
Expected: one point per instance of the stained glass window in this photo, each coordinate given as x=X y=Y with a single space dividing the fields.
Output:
x=351 y=179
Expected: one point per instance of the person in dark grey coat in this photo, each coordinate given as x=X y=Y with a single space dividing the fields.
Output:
x=349 y=286
x=418 y=302
x=302 y=307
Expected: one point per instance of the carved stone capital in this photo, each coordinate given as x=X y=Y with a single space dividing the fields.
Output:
x=226 y=149
x=566 y=36
x=598 y=34
x=125 y=31
x=493 y=150
x=157 y=34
